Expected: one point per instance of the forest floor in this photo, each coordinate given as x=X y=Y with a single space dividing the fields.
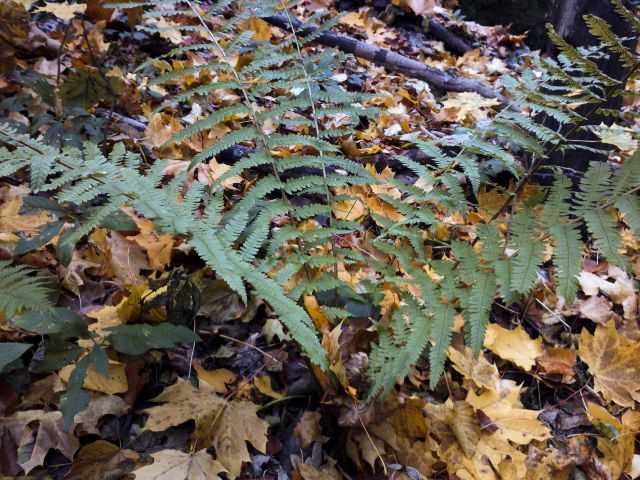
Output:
x=552 y=396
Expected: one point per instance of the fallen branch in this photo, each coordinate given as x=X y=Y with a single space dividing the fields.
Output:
x=450 y=39
x=447 y=81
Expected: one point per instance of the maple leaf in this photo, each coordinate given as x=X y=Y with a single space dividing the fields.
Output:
x=224 y=425
x=515 y=423
x=101 y=459
x=614 y=362
x=459 y=106
x=116 y=382
x=469 y=451
x=616 y=442
x=176 y=465
x=477 y=370
x=513 y=345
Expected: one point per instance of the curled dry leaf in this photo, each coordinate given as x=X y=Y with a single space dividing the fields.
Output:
x=621 y=291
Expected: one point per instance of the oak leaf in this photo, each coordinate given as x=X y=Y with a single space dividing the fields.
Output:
x=224 y=425
x=614 y=362
x=175 y=465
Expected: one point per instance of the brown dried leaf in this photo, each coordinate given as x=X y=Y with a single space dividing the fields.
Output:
x=102 y=459
x=221 y=424
x=308 y=429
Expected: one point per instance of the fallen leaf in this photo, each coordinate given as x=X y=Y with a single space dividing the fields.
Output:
x=224 y=425
x=263 y=385
x=467 y=105
x=419 y=7
x=49 y=434
x=102 y=459
x=64 y=11
x=616 y=442
x=158 y=247
x=513 y=422
x=327 y=472
x=161 y=128
x=87 y=420
x=217 y=379
x=116 y=382
x=614 y=362
x=513 y=345
x=597 y=309
x=559 y=361
x=477 y=370
x=308 y=429
x=175 y=465
x=621 y=291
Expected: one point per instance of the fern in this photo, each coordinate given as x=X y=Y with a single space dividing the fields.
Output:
x=20 y=290
x=285 y=97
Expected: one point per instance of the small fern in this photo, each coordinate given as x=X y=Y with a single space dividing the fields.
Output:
x=20 y=290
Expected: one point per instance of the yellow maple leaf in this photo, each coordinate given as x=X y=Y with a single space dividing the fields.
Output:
x=467 y=105
x=216 y=379
x=617 y=448
x=159 y=247
x=116 y=382
x=224 y=425
x=515 y=423
x=513 y=345
x=614 y=362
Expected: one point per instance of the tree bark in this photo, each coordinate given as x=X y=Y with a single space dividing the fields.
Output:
x=566 y=16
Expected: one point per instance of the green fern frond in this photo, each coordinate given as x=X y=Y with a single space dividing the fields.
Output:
x=20 y=290
x=604 y=229
x=441 y=330
x=567 y=259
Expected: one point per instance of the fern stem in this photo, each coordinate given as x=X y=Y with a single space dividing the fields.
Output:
x=316 y=126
